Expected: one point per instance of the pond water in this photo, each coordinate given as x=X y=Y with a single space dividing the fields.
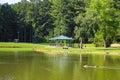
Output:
x=39 y=66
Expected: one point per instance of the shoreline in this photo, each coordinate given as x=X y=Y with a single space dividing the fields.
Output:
x=73 y=52
x=61 y=51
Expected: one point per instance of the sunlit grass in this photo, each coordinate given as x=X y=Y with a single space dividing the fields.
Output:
x=45 y=47
x=10 y=44
x=15 y=49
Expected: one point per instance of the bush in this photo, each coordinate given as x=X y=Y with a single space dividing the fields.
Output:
x=98 y=41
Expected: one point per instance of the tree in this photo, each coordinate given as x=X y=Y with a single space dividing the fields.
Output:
x=79 y=29
x=1 y=28
x=104 y=20
x=107 y=22
x=117 y=7
x=59 y=10
x=22 y=27
x=42 y=22
x=8 y=23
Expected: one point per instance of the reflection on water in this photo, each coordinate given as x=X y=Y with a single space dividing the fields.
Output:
x=39 y=66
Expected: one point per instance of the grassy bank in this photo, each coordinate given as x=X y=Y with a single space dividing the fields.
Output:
x=51 y=49
x=8 y=46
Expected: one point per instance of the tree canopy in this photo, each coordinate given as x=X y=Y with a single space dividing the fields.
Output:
x=95 y=21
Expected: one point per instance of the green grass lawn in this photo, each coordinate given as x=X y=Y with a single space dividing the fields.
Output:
x=9 y=46
x=44 y=47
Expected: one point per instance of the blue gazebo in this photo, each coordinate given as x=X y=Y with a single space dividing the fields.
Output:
x=62 y=37
x=55 y=40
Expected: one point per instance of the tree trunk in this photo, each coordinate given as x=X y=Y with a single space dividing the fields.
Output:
x=24 y=34
x=105 y=42
x=81 y=43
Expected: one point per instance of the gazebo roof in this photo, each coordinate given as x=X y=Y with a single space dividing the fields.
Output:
x=61 y=37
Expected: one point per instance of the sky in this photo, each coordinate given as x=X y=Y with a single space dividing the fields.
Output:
x=9 y=1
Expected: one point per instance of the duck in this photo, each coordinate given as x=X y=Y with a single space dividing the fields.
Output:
x=86 y=66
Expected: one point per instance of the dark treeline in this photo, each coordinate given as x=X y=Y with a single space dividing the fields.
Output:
x=95 y=21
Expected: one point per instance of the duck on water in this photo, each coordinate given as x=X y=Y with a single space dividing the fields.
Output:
x=86 y=66
x=105 y=67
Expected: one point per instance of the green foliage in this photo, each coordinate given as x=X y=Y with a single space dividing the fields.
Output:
x=106 y=20
x=7 y=23
x=98 y=40
x=59 y=10
x=39 y=20
x=38 y=39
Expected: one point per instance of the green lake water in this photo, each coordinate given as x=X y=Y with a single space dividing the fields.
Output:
x=39 y=66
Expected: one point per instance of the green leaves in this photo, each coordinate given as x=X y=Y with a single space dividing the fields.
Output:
x=43 y=19
x=106 y=19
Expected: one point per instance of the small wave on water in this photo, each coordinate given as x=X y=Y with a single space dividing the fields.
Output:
x=105 y=67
